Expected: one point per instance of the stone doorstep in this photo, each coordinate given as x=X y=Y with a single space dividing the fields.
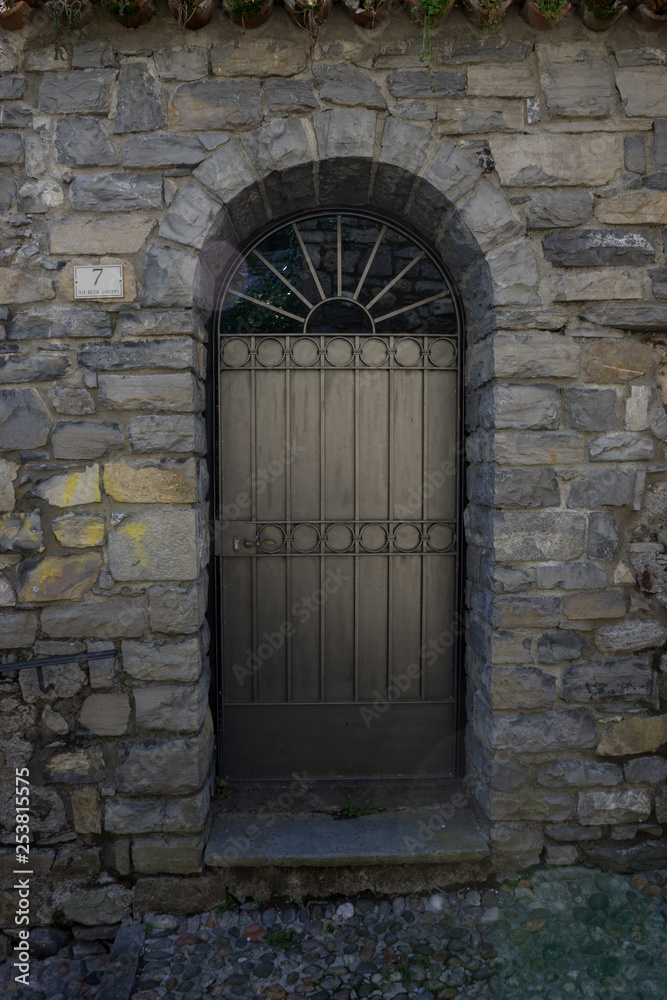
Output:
x=397 y=837
x=120 y=972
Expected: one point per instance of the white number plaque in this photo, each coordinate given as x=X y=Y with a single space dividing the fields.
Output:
x=102 y=282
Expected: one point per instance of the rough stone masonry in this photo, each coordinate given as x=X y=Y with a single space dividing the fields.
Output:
x=538 y=169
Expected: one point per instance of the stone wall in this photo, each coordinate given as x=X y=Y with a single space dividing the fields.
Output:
x=538 y=168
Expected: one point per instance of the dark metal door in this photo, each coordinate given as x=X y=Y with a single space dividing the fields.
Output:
x=338 y=505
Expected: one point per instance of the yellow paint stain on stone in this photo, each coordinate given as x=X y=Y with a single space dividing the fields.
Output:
x=79 y=531
x=55 y=578
x=162 y=482
x=70 y=489
x=136 y=532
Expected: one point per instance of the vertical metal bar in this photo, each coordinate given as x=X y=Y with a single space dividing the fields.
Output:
x=322 y=516
x=422 y=628
x=369 y=263
x=357 y=515
x=253 y=508
x=309 y=262
x=390 y=488
x=288 y=513
x=339 y=256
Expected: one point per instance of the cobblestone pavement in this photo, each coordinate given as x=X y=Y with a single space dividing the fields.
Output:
x=560 y=933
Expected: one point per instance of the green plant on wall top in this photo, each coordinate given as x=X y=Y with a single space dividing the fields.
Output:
x=604 y=10
x=428 y=13
x=69 y=15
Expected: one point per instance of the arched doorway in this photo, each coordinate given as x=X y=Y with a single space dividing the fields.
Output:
x=339 y=399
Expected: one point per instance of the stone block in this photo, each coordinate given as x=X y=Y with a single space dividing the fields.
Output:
x=591 y=409
x=540 y=732
x=576 y=833
x=521 y=687
x=556 y=854
x=161 y=544
x=576 y=80
x=637 y=734
x=58 y=681
x=18 y=629
x=216 y=104
x=226 y=172
x=490 y=217
x=528 y=611
x=7 y=593
x=176 y=608
x=182 y=432
x=17 y=286
x=82 y=142
x=169 y=275
x=150 y=392
x=11 y=148
x=8 y=473
x=69 y=489
x=534 y=355
x=289 y=95
x=604 y=489
x=173 y=767
x=551 y=160
x=517 y=488
x=36 y=197
x=260 y=57
x=112 y=192
x=8 y=191
x=157 y=481
x=466 y=115
x=521 y=407
x=173 y=815
x=595 y=247
x=632 y=634
x=21 y=532
x=525 y=804
x=88 y=234
x=72 y=863
x=183 y=64
x=577 y=771
x=649 y=770
x=644 y=207
x=24 y=420
x=78 y=531
x=168 y=855
x=160 y=323
x=530 y=535
x=622 y=679
x=634 y=153
x=620 y=447
x=591 y=604
x=75 y=767
x=478 y=48
x=622 y=805
x=93 y=55
x=13 y=115
x=107 y=619
x=279 y=146
x=453 y=171
x=163 y=149
x=348 y=85
x=516 y=79
x=85 y=438
x=105 y=714
x=139 y=105
x=81 y=91
x=597 y=284
x=190 y=217
x=519 y=846
x=660 y=805
x=619 y=361
x=641 y=90
x=416 y=83
x=534 y=449
x=570 y=576
x=548 y=209
x=55 y=321
x=514 y=275
x=559 y=646
x=38 y=368
x=107 y=905
x=171 y=707
x=163 y=661
x=57 y=578
x=659 y=282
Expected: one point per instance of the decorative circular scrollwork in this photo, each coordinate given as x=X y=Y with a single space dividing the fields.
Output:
x=340 y=352
x=305 y=352
x=441 y=537
x=339 y=537
x=235 y=352
x=374 y=352
x=408 y=352
x=305 y=538
x=407 y=538
x=442 y=352
x=270 y=352
x=374 y=537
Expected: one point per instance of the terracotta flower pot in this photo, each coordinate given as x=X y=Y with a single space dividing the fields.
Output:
x=416 y=12
x=648 y=17
x=248 y=20
x=483 y=16
x=16 y=16
x=594 y=23
x=304 y=15
x=81 y=15
x=192 y=16
x=138 y=17
x=366 y=18
x=533 y=16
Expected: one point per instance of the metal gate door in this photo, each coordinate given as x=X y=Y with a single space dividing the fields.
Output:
x=338 y=505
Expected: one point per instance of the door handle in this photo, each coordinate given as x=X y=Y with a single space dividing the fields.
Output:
x=250 y=544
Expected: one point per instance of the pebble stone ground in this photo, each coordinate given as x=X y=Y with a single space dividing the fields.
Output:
x=558 y=933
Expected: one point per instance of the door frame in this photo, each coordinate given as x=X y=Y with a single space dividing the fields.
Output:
x=214 y=615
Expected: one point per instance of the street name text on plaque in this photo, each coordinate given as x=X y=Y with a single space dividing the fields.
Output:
x=98 y=281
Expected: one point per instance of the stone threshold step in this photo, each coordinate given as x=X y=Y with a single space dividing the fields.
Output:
x=398 y=837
